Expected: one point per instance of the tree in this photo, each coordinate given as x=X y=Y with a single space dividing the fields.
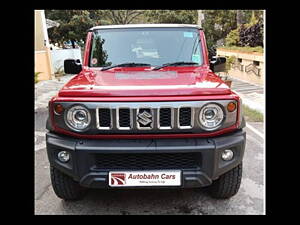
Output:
x=74 y=25
x=251 y=35
x=123 y=16
x=100 y=54
x=115 y=16
x=248 y=14
x=217 y=24
x=239 y=17
x=247 y=34
x=172 y=16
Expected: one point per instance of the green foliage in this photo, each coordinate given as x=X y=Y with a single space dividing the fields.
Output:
x=253 y=20
x=216 y=25
x=251 y=15
x=172 y=16
x=259 y=49
x=252 y=115
x=107 y=17
x=229 y=61
x=36 y=76
x=232 y=39
x=249 y=34
x=74 y=25
x=99 y=54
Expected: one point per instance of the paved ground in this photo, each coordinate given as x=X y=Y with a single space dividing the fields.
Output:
x=45 y=90
x=249 y=200
x=252 y=95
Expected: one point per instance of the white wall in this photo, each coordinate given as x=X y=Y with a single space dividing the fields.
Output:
x=59 y=55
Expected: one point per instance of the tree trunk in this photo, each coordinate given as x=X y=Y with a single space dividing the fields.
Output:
x=239 y=17
x=200 y=17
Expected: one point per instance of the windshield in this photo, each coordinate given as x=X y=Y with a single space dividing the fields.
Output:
x=154 y=46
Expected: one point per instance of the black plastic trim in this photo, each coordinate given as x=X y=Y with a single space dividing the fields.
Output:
x=80 y=165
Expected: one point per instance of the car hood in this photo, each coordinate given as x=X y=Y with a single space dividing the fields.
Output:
x=144 y=82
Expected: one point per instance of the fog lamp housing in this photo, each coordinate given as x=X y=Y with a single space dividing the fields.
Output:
x=63 y=156
x=227 y=155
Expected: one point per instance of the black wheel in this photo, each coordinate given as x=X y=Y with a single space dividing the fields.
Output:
x=228 y=184
x=64 y=186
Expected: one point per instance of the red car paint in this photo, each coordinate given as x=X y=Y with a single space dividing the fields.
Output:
x=172 y=84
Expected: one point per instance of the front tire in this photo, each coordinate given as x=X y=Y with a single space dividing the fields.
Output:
x=228 y=184
x=64 y=186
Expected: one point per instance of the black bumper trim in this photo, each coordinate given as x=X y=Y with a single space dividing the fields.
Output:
x=190 y=179
x=80 y=165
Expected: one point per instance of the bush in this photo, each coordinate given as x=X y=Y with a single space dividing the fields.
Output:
x=229 y=61
x=245 y=49
x=232 y=39
x=251 y=36
x=36 y=76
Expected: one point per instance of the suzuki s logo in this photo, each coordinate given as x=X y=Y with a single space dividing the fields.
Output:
x=144 y=117
x=117 y=179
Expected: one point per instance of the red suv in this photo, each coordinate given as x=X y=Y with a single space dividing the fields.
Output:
x=145 y=110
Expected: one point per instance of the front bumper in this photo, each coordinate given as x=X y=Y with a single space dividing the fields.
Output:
x=82 y=164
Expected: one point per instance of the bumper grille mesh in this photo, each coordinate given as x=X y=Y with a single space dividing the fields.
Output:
x=147 y=161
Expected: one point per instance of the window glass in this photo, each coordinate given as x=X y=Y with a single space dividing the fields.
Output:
x=154 y=46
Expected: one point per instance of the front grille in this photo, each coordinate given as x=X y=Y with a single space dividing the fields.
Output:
x=139 y=117
x=145 y=119
x=147 y=161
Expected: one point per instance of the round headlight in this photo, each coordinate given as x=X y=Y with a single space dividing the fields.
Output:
x=78 y=118
x=211 y=117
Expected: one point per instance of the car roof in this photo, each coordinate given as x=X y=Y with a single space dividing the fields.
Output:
x=145 y=26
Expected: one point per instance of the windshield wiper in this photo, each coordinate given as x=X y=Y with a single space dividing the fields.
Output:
x=174 y=64
x=125 y=65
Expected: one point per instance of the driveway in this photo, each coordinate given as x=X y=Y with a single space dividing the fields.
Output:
x=249 y=200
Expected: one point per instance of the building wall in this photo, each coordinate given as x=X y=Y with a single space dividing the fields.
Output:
x=39 y=44
x=42 y=53
x=43 y=64
x=250 y=68
x=59 y=55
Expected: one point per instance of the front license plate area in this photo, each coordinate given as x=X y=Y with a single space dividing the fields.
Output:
x=144 y=178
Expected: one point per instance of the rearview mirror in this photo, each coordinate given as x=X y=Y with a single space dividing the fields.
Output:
x=218 y=64
x=72 y=66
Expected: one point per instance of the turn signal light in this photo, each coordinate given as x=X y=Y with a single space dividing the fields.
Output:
x=231 y=106
x=58 y=109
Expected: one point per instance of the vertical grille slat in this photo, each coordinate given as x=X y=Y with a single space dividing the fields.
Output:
x=104 y=118
x=185 y=117
x=124 y=119
x=165 y=118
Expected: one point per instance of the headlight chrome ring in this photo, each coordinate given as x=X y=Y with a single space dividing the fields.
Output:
x=211 y=116
x=78 y=118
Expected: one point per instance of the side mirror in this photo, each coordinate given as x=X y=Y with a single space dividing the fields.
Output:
x=218 y=64
x=72 y=66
